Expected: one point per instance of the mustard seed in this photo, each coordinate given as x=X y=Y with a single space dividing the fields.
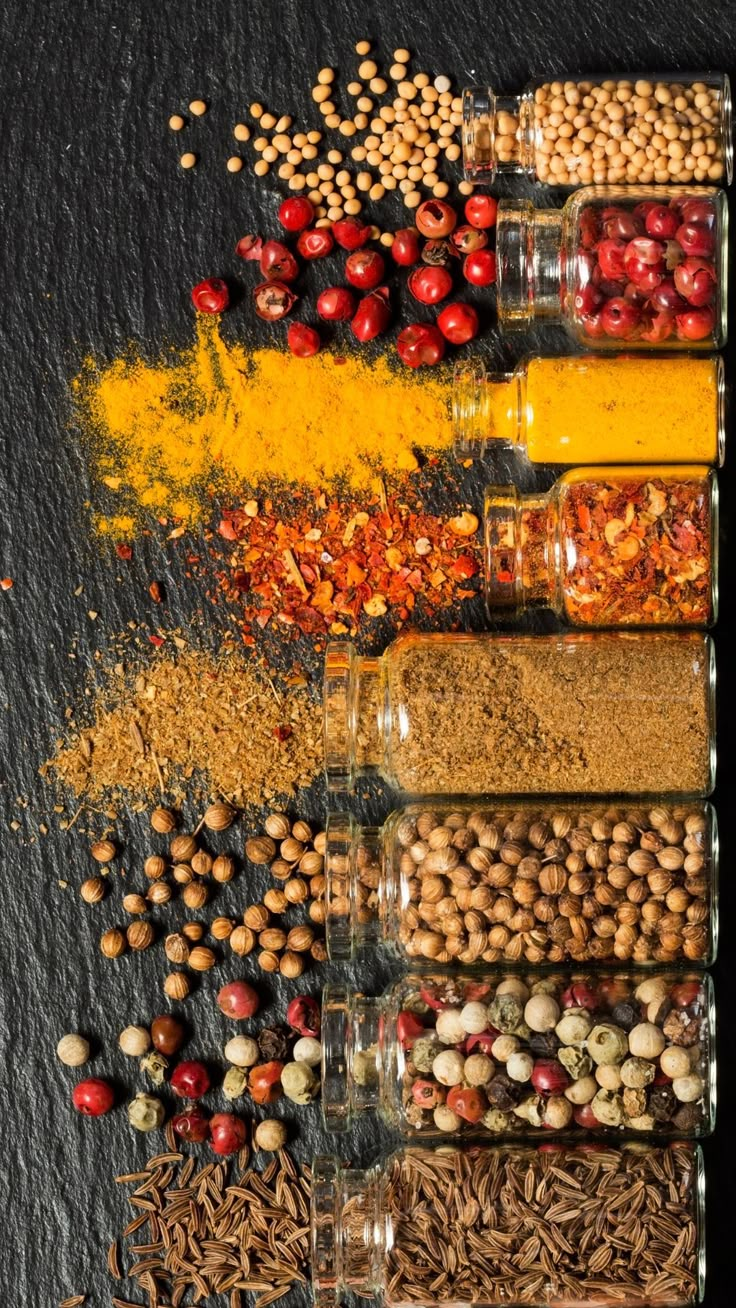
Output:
x=334 y=156
x=354 y=88
x=176 y=122
x=197 y=107
x=398 y=72
x=378 y=85
x=320 y=93
x=256 y=110
x=332 y=120
x=297 y=182
x=260 y=168
x=363 y=47
x=268 y=121
x=325 y=76
x=188 y=160
x=234 y=164
x=241 y=132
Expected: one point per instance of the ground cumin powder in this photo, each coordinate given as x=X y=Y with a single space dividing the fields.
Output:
x=524 y=714
x=222 y=417
x=195 y=725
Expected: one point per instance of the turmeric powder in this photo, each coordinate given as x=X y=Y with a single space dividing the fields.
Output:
x=220 y=417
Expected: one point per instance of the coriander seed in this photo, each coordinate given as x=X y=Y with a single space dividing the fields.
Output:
x=140 y=935
x=268 y=961
x=112 y=943
x=154 y=867
x=219 y=816
x=223 y=868
x=92 y=890
x=202 y=959
x=193 y=930
x=176 y=947
x=242 y=940
x=103 y=851
x=183 y=848
x=159 y=892
x=134 y=904
x=195 y=895
x=222 y=928
x=291 y=965
x=201 y=863
x=163 y=820
x=260 y=849
x=176 y=985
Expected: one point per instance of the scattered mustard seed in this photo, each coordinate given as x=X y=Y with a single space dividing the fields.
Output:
x=176 y=122
x=234 y=164
x=197 y=107
x=188 y=160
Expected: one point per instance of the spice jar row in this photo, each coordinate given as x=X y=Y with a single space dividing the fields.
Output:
x=601 y=409
x=645 y=266
x=595 y=713
x=474 y=884
x=507 y=1055
x=619 y=128
x=552 y=1225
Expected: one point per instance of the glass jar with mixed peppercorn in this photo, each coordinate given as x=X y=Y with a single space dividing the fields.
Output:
x=608 y=547
x=645 y=267
x=493 y=1054
x=619 y=128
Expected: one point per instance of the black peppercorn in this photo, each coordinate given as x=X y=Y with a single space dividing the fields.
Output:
x=503 y=1093
x=626 y=1015
x=274 y=1043
x=544 y=1044
x=662 y=1103
x=688 y=1117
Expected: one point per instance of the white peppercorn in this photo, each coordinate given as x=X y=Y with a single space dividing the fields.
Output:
x=146 y=1112
x=574 y=1026
x=675 y=1061
x=608 y=1076
x=135 y=1041
x=503 y=1047
x=450 y=1027
x=687 y=1088
x=448 y=1067
x=307 y=1050
x=479 y=1069
x=637 y=1073
x=445 y=1119
x=299 y=1083
x=646 y=1040
x=271 y=1135
x=542 y=1013
x=520 y=1066
x=474 y=1018
x=73 y=1050
x=582 y=1091
x=242 y=1051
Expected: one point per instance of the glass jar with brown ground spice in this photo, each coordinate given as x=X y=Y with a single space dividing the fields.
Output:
x=512 y=1224
x=665 y=127
x=608 y=547
x=493 y=1054
x=593 y=713
x=481 y=883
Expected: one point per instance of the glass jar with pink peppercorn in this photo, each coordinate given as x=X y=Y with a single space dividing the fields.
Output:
x=642 y=268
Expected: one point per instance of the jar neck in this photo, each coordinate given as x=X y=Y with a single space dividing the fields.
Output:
x=352 y=714
x=521 y=548
x=348 y=1234
x=531 y=277
x=352 y=1055
x=357 y=893
x=497 y=134
x=487 y=408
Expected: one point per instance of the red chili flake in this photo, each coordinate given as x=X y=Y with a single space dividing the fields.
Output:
x=124 y=551
x=157 y=641
x=282 y=733
x=6 y=583
x=155 y=592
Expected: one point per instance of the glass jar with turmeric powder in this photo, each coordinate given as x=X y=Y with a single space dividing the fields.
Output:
x=608 y=547
x=607 y=408
x=635 y=268
x=668 y=128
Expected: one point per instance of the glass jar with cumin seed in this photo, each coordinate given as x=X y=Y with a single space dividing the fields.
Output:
x=481 y=883
x=512 y=1225
x=502 y=1055
x=594 y=713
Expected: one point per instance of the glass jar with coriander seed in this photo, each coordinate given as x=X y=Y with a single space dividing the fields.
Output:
x=621 y=128
x=594 y=408
x=588 y=713
x=495 y=1225
x=490 y=1054
x=483 y=883
x=637 y=268
x=608 y=547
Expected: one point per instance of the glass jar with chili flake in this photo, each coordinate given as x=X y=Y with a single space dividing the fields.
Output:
x=608 y=547
x=446 y=1053
x=620 y=267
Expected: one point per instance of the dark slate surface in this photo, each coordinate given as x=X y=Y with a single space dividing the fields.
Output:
x=102 y=236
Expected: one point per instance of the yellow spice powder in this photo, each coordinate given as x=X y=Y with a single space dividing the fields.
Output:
x=222 y=416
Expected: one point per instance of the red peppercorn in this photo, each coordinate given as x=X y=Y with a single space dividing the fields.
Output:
x=190 y=1080
x=619 y=317
x=421 y=343
x=435 y=218
x=428 y=1094
x=227 y=1133
x=315 y=244
x=581 y=995
x=193 y=1124
x=364 y=269
x=429 y=285
x=405 y=247
x=479 y=268
x=350 y=233
x=481 y=210
x=660 y=327
x=93 y=1097
x=695 y=238
x=372 y=315
x=695 y=280
x=458 y=323
x=661 y=222
x=296 y=213
x=264 y=1082
x=273 y=300
x=465 y=239
x=467 y=1102
x=336 y=304
x=278 y=263
x=549 y=1077
x=249 y=248
x=408 y=1028
x=611 y=259
x=210 y=296
x=685 y=993
x=238 y=999
x=585 y=1117
x=167 y=1034
x=303 y=341
x=303 y=1015
x=482 y=1041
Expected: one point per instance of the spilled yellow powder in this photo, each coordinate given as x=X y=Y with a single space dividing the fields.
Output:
x=220 y=416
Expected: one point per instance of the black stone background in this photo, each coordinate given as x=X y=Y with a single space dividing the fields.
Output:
x=102 y=237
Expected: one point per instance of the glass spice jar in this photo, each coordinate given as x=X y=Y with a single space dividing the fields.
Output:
x=645 y=267
x=488 y=1225
x=499 y=1055
x=478 y=883
x=605 y=408
x=594 y=713
x=668 y=128
x=608 y=547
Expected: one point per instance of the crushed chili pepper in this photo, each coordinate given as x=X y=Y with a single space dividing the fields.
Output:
x=155 y=592
x=330 y=565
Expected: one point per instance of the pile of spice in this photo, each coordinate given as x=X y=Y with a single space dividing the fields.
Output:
x=566 y=1053
x=511 y=1225
x=550 y=884
x=222 y=417
x=206 y=1230
x=328 y=565
x=194 y=724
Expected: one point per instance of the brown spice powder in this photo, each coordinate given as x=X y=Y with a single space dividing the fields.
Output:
x=591 y=714
x=198 y=725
